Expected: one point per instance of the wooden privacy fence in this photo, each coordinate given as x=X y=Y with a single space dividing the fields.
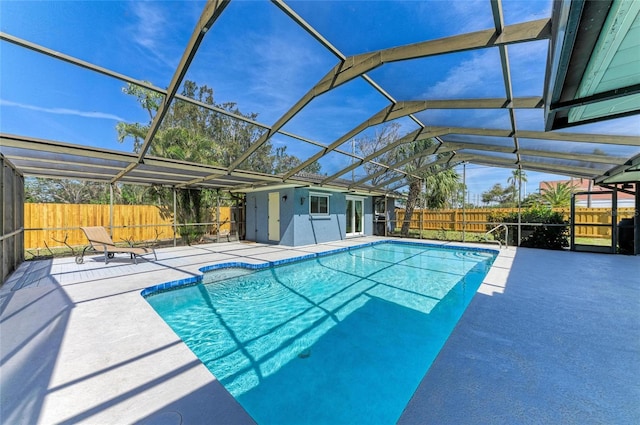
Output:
x=48 y=222
x=587 y=219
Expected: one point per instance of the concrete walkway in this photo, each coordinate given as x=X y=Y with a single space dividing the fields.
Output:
x=551 y=337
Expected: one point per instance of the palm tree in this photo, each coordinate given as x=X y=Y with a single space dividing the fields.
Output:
x=558 y=195
x=414 y=158
x=442 y=182
x=441 y=188
x=517 y=177
x=413 y=150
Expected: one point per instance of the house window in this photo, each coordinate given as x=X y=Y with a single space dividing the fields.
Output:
x=319 y=204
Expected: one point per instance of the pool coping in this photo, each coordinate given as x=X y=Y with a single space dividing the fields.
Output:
x=195 y=280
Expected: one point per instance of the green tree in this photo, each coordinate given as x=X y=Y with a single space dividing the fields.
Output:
x=283 y=162
x=549 y=237
x=502 y=196
x=370 y=144
x=558 y=195
x=201 y=135
x=188 y=133
x=192 y=133
x=442 y=190
x=532 y=200
x=65 y=191
x=134 y=194
x=441 y=181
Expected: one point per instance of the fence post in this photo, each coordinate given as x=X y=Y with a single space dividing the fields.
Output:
x=455 y=220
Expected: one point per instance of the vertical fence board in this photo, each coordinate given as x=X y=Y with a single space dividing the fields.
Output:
x=453 y=219
x=131 y=222
x=67 y=218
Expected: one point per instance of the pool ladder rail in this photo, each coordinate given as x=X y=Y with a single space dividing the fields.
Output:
x=506 y=236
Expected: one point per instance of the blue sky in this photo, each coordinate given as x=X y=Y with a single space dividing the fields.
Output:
x=258 y=58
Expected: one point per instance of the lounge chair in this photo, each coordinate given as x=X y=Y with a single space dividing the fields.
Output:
x=100 y=241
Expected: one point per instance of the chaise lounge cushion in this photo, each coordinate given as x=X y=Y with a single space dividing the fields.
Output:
x=99 y=240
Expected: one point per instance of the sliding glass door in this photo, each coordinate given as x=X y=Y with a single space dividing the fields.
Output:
x=355 y=208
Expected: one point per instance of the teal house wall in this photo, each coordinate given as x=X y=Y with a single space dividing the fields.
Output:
x=297 y=226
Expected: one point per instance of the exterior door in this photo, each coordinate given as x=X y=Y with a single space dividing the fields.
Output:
x=274 y=217
x=354 y=215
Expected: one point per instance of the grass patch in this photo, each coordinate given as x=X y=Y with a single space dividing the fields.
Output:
x=593 y=241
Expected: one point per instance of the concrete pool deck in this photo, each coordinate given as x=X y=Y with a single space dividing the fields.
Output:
x=550 y=337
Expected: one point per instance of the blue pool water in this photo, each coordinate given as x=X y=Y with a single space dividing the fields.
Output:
x=342 y=338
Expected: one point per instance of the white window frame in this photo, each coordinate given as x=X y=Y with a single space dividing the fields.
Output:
x=320 y=195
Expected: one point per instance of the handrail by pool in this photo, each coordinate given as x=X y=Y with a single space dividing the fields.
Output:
x=506 y=236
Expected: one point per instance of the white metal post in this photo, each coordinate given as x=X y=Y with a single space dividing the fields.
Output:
x=218 y=214
x=111 y=209
x=464 y=195
x=175 y=218
x=519 y=206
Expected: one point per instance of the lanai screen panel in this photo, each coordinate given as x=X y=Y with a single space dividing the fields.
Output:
x=300 y=74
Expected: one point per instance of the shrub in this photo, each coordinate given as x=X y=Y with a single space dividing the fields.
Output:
x=549 y=237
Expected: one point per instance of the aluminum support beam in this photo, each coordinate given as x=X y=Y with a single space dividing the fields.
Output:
x=496 y=8
x=420 y=134
x=601 y=159
x=144 y=84
x=442 y=160
x=355 y=66
x=212 y=10
x=405 y=108
x=399 y=164
x=581 y=172
x=391 y=112
x=606 y=139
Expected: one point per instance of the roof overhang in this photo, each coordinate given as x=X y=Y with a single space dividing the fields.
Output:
x=594 y=62
x=629 y=172
x=57 y=160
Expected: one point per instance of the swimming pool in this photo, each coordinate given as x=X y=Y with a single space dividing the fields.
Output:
x=339 y=338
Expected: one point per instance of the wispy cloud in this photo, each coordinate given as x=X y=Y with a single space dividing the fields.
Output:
x=478 y=76
x=264 y=70
x=468 y=15
x=151 y=24
x=63 y=111
x=286 y=66
x=522 y=11
x=452 y=17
